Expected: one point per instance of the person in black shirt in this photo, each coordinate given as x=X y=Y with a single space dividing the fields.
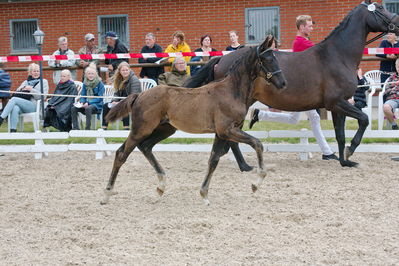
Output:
x=150 y=47
x=114 y=46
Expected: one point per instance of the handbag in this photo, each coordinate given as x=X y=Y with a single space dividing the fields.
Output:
x=23 y=96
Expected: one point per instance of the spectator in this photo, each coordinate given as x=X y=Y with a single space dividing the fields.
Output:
x=391 y=97
x=304 y=26
x=177 y=76
x=24 y=103
x=58 y=110
x=150 y=47
x=388 y=66
x=359 y=99
x=92 y=86
x=178 y=45
x=89 y=48
x=234 y=44
x=63 y=50
x=125 y=83
x=114 y=46
x=5 y=85
x=205 y=42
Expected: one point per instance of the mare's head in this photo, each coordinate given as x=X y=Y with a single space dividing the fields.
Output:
x=379 y=19
x=269 y=68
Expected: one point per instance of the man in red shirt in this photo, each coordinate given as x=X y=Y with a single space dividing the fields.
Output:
x=304 y=25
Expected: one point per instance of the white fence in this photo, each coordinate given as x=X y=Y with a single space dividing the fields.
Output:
x=102 y=148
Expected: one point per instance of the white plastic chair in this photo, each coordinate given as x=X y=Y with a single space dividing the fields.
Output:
x=374 y=79
x=34 y=116
x=381 y=116
x=147 y=84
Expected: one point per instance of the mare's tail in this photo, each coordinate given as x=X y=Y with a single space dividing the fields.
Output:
x=203 y=76
x=122 y=109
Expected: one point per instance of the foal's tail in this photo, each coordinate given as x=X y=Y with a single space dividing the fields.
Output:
x=122 y=109
x=203 y=76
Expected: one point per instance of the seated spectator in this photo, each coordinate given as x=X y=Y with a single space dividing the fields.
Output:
x=114 y=46
x=24 y=103
x=234 y=44
x=125 y=83
x=58 y=110
x=92 y=86
x=178 y=45
x=63 y=50
x=177 y=76
x=150 y=47
x=89 y=48
x=391 y=97
x=359 y=99
x=5 y=85
x=205 y=42
x=387 y=67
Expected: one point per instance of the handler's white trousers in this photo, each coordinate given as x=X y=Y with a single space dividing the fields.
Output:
x=293 y=118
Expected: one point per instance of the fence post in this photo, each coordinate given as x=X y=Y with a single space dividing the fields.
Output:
x=304 y=156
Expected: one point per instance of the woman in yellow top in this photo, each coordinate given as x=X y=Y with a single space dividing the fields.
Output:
x=178 y=45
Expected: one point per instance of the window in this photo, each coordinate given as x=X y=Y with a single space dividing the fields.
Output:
x=392 y=6
x=116 y=23
x=261 y=21
x=21 y=32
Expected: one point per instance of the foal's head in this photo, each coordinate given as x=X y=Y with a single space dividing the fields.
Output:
x=379 y=19
x=269 y=68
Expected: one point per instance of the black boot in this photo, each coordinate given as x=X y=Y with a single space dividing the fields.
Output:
x=13 y=130
x=1 y=120
x=254 y=118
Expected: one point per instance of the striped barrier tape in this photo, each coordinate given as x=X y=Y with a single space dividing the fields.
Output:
x=26 y=58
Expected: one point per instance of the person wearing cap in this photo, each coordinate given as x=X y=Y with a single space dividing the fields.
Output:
x=150 y=47
x=114 y=46
x=89 y=48
x=178 y=45
x=62 y=50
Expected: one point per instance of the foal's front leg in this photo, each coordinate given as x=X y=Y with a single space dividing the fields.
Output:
x=237 y=135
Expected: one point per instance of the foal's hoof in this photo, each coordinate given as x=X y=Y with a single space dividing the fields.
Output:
x=204 y=195
x=348 y=163
x=347 y=153
x=160 y=191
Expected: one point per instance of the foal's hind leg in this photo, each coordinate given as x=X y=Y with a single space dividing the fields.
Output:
x=162 y=132
x=219 y=148
x=120 y=158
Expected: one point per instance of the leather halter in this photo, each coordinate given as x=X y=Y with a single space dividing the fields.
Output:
x=388 y=20
x=269 y=74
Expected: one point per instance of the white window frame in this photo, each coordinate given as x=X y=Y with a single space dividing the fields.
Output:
x=248 y=27
x=101 y=35
x=14 y=50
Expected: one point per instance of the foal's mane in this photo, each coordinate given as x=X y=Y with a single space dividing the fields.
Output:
x=247 y=60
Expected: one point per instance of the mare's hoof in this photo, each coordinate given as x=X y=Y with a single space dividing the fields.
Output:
x=254 y=188
x=160 y=191
x=246 y=168
x=348 y=163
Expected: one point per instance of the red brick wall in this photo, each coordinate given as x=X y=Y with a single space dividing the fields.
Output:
x=195 y=18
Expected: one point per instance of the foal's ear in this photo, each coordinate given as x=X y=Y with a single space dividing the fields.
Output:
x=267 y=43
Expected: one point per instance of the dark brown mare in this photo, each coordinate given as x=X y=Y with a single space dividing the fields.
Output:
x=219 y=107
x=322 y=76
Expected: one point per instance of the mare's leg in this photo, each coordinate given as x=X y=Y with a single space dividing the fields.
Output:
x=162 y=132
x=340 y=110
x=237 y=135
x=242 y=164
x=219 y=148
x=120 y=158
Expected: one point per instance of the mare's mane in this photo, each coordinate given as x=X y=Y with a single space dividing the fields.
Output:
x=341 y=25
